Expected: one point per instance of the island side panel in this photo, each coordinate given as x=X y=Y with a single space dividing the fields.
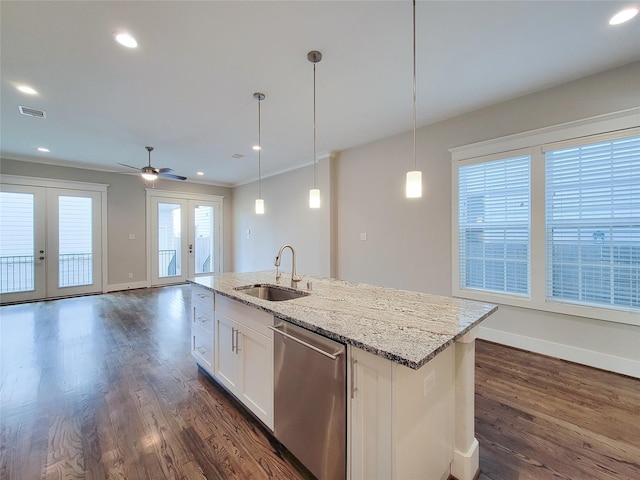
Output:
x=466 y=458
x=423 y=419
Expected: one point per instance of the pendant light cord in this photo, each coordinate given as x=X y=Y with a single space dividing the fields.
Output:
x=259 y=151
x=314 y=126
x=415 y=161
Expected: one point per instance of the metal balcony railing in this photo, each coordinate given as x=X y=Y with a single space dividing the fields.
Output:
x=167 y=263
x=75 y=269
x=16 y=273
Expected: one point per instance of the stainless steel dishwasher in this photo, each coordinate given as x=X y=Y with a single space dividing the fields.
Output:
x=310 y=411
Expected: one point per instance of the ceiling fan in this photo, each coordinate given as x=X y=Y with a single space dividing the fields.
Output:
x=152 y=173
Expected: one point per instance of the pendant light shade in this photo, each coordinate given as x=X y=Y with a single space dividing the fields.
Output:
x=314 y=194
x=259 y=200
x=414 y=177
x=314 y=198
x=259 y=206
x=414 y=184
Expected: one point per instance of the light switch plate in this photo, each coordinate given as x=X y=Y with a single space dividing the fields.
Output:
x=363 y=236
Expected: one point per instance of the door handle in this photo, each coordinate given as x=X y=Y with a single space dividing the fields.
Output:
x=237 y=344
x=332 y=356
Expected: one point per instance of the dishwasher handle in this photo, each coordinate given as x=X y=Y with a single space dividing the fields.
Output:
x=332 y=356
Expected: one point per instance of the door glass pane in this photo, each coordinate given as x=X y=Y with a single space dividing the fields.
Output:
x=204 y=239
x=75 y=241
x=169 y=240
x=16 y=242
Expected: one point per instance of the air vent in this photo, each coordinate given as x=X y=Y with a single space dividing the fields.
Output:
x=237 y=155
x=32 y=112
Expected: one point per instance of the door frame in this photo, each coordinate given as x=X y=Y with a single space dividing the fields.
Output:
x=169 y=195
x=101 y=188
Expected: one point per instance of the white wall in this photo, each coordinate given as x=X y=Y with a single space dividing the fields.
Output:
x=409 y=241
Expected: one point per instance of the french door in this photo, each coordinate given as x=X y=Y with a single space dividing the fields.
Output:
x=50 y=242
x=185 y=236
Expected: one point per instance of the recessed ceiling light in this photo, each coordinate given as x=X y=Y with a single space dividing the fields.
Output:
x=27 y=89
x=623 y=16
x=125 y=39
x=43 y=149
x=257 y=147
x=200 y=173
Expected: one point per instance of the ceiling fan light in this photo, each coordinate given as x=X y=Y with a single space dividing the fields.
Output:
x=149 y=175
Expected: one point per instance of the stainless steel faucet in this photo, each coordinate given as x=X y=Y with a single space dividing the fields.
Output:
x=294 y=277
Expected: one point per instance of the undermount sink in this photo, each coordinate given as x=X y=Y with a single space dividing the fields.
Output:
x=273 y=293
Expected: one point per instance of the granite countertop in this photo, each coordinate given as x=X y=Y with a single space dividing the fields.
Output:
x=409 y=328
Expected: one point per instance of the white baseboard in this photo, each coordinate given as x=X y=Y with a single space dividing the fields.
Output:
x=125 y=286
x=625 y=366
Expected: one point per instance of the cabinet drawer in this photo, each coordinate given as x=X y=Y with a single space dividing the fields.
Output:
x=202 y=318
x=202 y=348
x=244 y=314
x=202 y=296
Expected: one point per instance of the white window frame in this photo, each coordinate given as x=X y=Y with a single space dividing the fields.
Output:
x=615 y=125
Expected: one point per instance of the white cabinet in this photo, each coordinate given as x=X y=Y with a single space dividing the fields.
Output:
x=244 y=355
x=202 y=327
x=401 y=421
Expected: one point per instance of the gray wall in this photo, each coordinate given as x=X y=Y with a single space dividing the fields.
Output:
x=287 y=219
x=125 y=212
x=409 y=241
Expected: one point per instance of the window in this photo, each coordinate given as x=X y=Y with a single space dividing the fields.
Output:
x=593 y=223
x=494 y=225
x=553 y=223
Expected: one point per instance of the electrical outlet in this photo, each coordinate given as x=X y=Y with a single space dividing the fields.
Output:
x=132 y=236
x=130 y=275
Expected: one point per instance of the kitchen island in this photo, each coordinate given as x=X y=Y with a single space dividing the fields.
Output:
x=411 y=353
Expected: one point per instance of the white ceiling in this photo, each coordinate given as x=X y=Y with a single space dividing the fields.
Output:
x=188 y=88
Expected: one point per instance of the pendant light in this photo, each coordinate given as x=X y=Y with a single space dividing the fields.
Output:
x=414 y=177
x=259 y=200
x=314 y=194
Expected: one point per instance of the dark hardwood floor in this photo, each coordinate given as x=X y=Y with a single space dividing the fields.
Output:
x=105 y=387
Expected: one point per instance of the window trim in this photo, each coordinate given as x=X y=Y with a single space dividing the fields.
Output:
x=535 y=143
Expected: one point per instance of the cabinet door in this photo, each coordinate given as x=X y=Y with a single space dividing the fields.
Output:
x=371 y=414
x=256 y=367
x=227 y=359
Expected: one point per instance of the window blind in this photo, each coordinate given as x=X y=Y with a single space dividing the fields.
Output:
x=494 y=225
x=593 y=223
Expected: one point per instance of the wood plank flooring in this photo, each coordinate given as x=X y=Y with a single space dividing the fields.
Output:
x=104 y=387
x=543 y=418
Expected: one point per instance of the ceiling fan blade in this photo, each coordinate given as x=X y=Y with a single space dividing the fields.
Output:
x=163 y=170
x=171 y=176
x=125 y=165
